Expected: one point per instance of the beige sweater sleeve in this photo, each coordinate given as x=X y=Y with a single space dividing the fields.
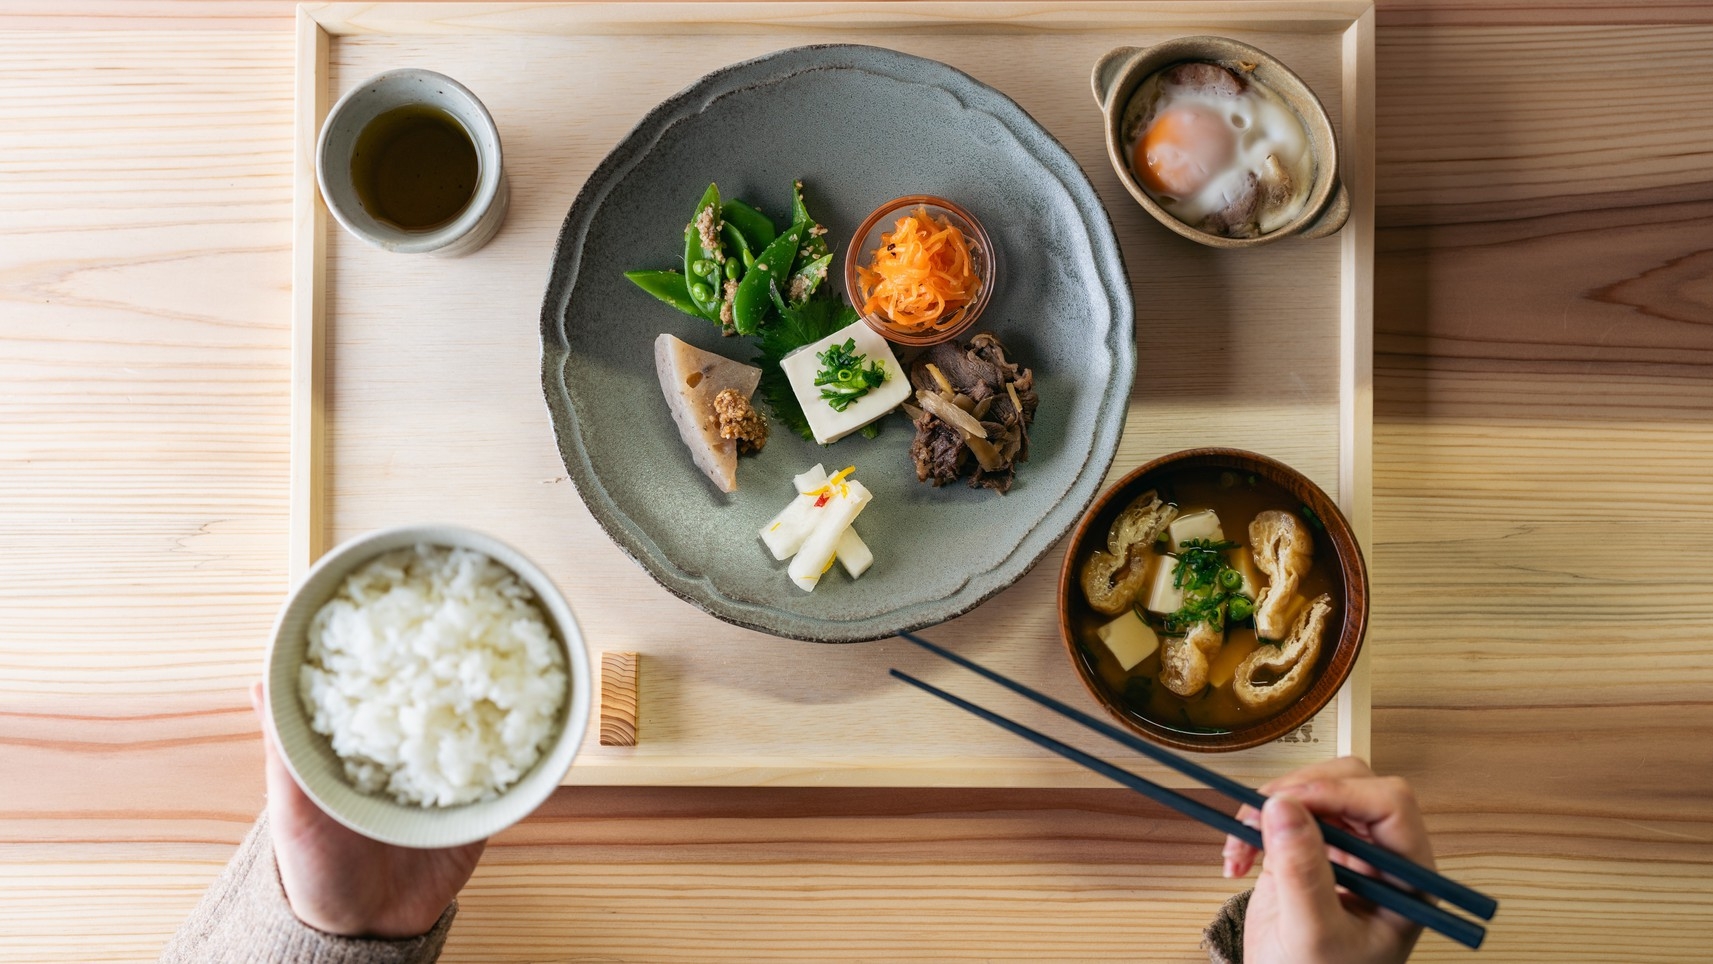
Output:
x=244 y=917
x=1223 y=938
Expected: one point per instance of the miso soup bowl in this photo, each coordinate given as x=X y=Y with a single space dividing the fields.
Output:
x=1337 y=663
x=1120 y=73
x=309 y=755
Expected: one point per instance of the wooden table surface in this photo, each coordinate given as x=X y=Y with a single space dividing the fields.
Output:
x=1543 y=541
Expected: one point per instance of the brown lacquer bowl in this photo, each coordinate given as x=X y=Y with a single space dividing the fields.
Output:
x=1338 y=655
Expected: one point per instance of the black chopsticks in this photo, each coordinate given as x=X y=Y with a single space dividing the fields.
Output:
x=1379 y=892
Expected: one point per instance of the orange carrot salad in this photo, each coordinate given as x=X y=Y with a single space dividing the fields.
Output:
x=921 y=276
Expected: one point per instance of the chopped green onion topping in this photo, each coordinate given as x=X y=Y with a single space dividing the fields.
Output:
x=1210 y=588
x=843 y=377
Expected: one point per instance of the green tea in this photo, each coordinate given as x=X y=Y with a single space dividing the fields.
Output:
x=415 y=167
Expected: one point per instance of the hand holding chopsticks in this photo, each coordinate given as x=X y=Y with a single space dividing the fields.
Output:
x=1378 y=892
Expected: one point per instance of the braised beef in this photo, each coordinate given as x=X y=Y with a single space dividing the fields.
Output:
x=984 y=381
x=938 y=451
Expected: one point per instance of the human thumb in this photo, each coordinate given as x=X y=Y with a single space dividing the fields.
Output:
x=1296 y=859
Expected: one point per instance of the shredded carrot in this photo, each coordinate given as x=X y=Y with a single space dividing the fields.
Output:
x=921 y=276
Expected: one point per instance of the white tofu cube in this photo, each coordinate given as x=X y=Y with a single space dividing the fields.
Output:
x=1196 y=525
x=829 y=426
x=1129 y=638
x=1163 y=597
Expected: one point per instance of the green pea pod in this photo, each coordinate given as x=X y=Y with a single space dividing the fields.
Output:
x=799 y=209
x=807 y=278
x=814 y=236
x=773 y=266
x=737 y=250
x=755 y=226
x=668 y=286
x=704 y=288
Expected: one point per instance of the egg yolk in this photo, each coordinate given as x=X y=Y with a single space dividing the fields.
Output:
x=1183 y=149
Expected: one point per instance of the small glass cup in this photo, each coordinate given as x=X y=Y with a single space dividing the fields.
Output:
x=867 y=238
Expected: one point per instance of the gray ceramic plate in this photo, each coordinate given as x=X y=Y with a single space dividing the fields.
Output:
x=850 y=121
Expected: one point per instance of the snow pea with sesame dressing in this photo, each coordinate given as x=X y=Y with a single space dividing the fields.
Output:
x=705 y=255
x=814 y=236
x=758 y=232
x=739 y=255
x=807 y=278
x=773 y=266
x=668 y=286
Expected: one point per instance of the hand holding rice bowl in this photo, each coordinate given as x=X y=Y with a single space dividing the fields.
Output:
x=448 y=726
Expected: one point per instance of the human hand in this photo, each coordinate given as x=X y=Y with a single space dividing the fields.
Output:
x=341 y=882
x=1297 y=912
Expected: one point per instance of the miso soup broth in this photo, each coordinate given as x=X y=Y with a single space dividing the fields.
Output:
x=1237 y=498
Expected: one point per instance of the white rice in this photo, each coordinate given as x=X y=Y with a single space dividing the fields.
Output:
x=434 y=676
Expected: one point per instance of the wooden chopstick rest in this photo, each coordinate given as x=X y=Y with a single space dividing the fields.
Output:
x=618 y=699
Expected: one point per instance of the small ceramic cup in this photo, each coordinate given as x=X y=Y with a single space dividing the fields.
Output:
x=1119 y=74
x=481 y=217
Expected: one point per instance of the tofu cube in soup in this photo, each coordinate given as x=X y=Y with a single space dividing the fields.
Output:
x=1130 y=639
x=1242 y=560
x=1196 y=525
x=1163 y=597
x=1223 y=666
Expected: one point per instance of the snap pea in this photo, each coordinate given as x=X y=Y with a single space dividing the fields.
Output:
x=799 y=208
x=750 y=304
x=757 y=230
x=706 y=251
x=738 y=244
x=807 y=278
x=668 y=286
x=814 y=240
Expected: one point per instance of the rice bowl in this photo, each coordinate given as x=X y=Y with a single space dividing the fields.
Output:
x=434 y=676
x=508 y=789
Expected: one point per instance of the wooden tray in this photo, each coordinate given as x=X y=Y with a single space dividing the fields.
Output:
x=416 y=394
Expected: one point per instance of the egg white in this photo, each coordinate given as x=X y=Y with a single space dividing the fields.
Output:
x=1263 y=124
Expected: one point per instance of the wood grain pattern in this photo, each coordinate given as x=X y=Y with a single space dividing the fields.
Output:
x=1543 y=403
x=619 y=682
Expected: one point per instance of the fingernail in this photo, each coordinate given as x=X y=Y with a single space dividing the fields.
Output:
x=1230 y=869
x=1285 y=817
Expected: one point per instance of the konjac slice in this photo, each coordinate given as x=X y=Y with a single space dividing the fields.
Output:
x=690 y=378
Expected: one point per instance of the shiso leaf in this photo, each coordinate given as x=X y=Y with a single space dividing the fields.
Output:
x=791 y=329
